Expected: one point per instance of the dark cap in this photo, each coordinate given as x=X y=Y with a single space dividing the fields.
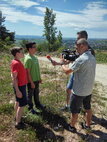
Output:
x=83 y=34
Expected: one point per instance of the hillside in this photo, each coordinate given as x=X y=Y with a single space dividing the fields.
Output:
x=45 y=127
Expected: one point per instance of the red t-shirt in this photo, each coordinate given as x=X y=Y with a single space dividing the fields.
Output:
x=17 y=66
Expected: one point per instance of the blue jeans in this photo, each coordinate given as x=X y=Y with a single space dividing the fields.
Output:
x=70 y=82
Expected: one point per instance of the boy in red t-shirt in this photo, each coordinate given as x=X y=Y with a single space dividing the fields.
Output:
x=19 y=77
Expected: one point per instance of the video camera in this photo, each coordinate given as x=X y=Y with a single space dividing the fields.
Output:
x=70 y=55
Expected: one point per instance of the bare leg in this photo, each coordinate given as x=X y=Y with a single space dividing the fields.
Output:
x=74 y=118
x=16 y=105
x=19 y=114
x=88 y=116
x=68 y=96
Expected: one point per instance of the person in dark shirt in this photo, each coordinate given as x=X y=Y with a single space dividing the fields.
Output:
x=84 y=34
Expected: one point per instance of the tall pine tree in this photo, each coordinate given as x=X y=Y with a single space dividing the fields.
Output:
x=49 y=29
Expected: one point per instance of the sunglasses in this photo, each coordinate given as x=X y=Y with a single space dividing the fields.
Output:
x=78 y=44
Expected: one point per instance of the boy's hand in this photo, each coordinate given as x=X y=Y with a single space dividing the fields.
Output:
x=40 y=81
x=32 y=85
x=19 y=94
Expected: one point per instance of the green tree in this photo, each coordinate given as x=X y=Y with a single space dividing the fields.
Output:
x=2 y=27
x=49 y=29
x=23 y=43
x=4 y=33
x=59 y=38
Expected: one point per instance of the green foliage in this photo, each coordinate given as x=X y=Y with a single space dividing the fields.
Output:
x=101 y=56
x=59 y=51
x=5 y=46
x=6 y=89
x=26 y=135
x=54 y=42
x=6 y=37
x=49 y=29
x=59 y=37
x=6 y=109
x=42 y=47
x=23 y=43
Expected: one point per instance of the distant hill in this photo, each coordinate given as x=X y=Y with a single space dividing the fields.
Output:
x=28 y=37
x=68 y=42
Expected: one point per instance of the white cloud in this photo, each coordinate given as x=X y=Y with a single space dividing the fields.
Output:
x=43 y=0
x=90 y=17
x=14 y=15
x=22 y=3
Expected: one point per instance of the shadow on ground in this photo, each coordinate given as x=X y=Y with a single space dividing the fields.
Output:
x=53 y=119
x=100 y=121
x=59 y=123
x=45 y=134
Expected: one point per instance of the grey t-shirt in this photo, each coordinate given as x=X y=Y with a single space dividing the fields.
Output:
x=84 y=74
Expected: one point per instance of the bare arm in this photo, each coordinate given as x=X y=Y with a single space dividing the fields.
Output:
x=30 y=78
x=66 y=69
x=15 y=83
x=62 y=62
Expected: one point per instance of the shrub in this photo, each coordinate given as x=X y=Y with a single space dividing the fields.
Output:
x=101 y=56
x=42 y=47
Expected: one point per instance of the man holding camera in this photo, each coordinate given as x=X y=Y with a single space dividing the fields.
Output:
x=83 y=69
x=81 y=34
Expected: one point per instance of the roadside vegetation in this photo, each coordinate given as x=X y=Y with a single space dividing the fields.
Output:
x=101 y=56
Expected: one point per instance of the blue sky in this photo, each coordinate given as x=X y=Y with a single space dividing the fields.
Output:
x=25 y=17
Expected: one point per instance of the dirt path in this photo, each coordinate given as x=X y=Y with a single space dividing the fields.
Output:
x=101 y=74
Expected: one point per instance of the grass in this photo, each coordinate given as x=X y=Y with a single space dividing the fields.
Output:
x=6 y=109
x=41 y=128
x=35 y=124
x=101 y=56
x=28 y=135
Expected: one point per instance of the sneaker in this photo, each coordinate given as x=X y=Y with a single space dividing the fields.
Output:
x=71 y=129
x=65 y=108
x=85 y=127
x=20 y=125
x=59 y=127
x=34 y=112
x=41 y=106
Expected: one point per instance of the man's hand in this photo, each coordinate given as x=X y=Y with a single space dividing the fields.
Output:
x=18 y=94
x=54 y=63
x=64 y=61
x=32 y=85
